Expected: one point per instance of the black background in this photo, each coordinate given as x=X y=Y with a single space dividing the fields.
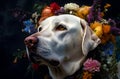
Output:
x=11 y=37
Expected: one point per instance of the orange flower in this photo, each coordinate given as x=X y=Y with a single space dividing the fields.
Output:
x=107 y=36
x=83 y=11
x=87 y=75
x=113 y=39
x=102 y=31
x=107 y=5
x=46 y=12
x=102 y=14
x=106 y=28
x=97 y=28
x=105 y=9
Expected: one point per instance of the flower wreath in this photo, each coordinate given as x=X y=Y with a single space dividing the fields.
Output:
x=105 y=57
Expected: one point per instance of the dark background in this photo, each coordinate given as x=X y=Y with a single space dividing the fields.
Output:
x=11 y=36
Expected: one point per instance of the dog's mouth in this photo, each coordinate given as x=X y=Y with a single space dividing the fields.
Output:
x=35 y=58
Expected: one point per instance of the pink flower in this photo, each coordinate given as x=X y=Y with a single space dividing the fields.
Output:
x=92 y=65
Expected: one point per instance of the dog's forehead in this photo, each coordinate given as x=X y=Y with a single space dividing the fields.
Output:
x=68 y=18
x=62 y=19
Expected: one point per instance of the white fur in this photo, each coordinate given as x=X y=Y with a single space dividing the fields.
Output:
x=69 y=47
x=118 y=66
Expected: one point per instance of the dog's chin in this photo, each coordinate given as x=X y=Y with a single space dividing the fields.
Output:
x=35 y=58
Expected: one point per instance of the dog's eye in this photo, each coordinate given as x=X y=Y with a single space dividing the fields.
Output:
x=60 y=28
x=39 y=29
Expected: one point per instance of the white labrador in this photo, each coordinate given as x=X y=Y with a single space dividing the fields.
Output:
x=62 y=43
x=118 y=66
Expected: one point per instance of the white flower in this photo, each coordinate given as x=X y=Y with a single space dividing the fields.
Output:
x=71 y=6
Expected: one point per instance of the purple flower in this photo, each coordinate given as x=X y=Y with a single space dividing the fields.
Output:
x=92 y=65
x=95 y=11
x=115 y=31
x=60 y=11
x=20 y=14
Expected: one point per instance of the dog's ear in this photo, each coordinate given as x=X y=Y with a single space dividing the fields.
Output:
x=90 y=40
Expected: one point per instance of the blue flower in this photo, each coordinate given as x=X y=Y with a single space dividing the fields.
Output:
x=118 y=48
x=118 y=55
x=108 y=48
x=29 y=26
x=118 y=41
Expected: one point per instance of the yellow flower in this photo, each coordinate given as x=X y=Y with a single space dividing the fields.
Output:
x=107 y=5
x=102 y=31
x=97 y=28
x=83 y=11
x=71 y=6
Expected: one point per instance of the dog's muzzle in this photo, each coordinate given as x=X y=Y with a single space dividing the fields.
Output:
x=31 y=43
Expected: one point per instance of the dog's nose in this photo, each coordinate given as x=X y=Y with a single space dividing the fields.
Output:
x=31 y=41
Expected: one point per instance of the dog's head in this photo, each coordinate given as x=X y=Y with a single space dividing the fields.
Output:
x=61 y=43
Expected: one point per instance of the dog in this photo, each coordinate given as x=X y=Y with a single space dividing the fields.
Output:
x=62 y=44
x=118 y=67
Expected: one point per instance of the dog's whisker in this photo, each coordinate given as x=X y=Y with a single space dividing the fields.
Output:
x=27 y=51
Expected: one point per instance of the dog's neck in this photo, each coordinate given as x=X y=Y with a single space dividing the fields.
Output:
x=76 y=75
x=57 y=72
x=60 y=74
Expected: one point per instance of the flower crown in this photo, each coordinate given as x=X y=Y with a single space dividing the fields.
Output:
x=92 y=14
x=105 y=29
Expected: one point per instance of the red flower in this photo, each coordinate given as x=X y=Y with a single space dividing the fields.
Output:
x=35 y=66
x=54 y=6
